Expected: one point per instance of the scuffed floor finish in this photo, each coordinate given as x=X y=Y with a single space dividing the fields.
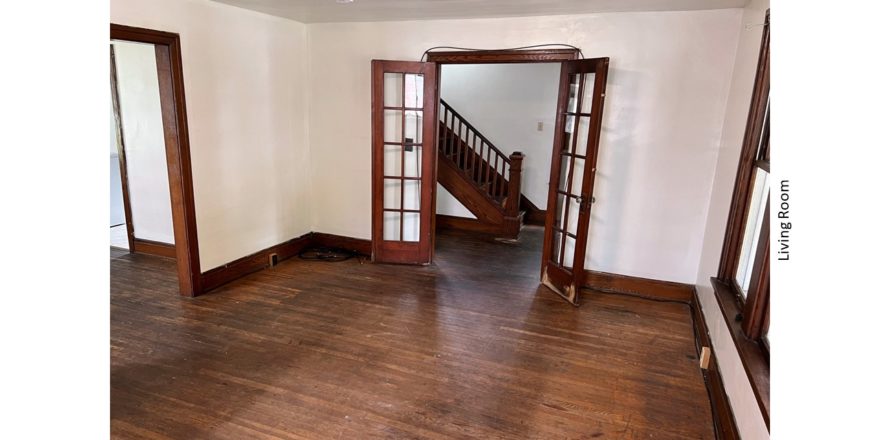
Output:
x=471 y=347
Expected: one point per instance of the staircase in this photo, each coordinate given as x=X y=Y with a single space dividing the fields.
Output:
x=480 y=176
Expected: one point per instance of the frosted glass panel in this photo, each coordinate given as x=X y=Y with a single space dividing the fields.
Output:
x=749 y=250
x=391 y=226
x=411 y=226
x=560 y=209
x=577 y=177
x=574 y=81
x=564 y=166
x=392 y=160
x=568 y=258
x=557 y=246
x=573 y=214
x=411 y=194
x=413 y=161
x=583 y=134
x=393 y=126
x=589 y=81
x=393 y=89
x=414 y=125
x=415 y=90
x=392 y=194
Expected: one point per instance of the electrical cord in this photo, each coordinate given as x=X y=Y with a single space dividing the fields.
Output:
x=534 y=46
x=327 y=254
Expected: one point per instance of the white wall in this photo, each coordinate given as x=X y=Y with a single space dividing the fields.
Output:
x=146 y=168
x=666 y=97
x=736 y=383
x=505 y=102
x=244 y=75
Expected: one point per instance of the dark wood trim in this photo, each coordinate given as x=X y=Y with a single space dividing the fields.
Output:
x=450 y=222
x=755 y=359
x=399 y=251
x=534 y=215
x=722 y=413
x=758 y=299
x=120 y=149
x=658 y=289
x=739 y=204
x=234 y=270
x=748 y=321
x=503 y=56
x=177 y=149
x=153 y=248
x=360 y=245
x=563 y=280
x=259 y=260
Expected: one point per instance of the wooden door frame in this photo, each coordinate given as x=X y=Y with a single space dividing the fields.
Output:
x=177 y=149
x=135 y=245
x=504 y=56
x=120 y=150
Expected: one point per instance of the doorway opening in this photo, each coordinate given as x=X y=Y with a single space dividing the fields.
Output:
x=149 y=134
x=140 y=198
x=506 y=112
x=418 y=140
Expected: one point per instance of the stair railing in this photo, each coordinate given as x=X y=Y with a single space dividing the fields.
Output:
x=489 y=168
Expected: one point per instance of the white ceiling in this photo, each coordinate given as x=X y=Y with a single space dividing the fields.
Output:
x=323 y=11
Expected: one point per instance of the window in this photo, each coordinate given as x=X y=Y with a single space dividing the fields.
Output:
x=742 y=286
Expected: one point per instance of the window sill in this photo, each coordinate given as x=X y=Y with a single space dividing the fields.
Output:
x=755 y=360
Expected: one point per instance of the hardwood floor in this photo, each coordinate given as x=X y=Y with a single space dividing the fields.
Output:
x=470 y=347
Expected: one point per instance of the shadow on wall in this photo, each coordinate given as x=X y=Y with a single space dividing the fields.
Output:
x=614 y=166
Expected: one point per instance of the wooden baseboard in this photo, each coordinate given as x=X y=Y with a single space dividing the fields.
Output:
x=234 y=270
x=639 y=286
x=722 y=414
x=359 y=245
x=154 y=248
x=219 y=276
x=536 y=218
x=449 y=222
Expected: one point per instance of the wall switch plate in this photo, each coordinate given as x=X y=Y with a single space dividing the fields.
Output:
x=540 y=125
x=705 y=356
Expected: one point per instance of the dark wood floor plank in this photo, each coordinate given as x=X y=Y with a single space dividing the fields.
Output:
x=471 y=347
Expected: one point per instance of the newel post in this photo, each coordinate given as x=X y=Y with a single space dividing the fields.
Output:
x=511 y=207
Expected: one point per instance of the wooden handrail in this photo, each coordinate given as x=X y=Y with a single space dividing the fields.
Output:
x=483 y=166
x=445 y=106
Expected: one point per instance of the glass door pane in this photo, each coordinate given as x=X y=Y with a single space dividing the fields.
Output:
x=757 y=204
x=575 y=151
x=403 y=125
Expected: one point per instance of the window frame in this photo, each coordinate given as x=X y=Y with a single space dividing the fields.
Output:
x=747 y=314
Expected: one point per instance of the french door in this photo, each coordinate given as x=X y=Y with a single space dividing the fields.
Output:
x=404 y=161
x=575 y=150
